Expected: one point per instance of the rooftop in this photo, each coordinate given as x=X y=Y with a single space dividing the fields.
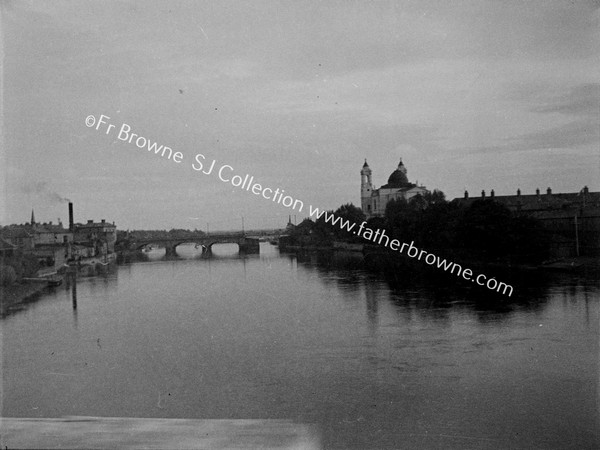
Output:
x=540 y=201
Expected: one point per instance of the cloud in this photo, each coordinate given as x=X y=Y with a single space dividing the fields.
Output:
x=578 y=104
x=573 y=134
x=285 y=90
x=581 y=100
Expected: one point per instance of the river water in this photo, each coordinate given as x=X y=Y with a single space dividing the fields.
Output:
x=317 y=340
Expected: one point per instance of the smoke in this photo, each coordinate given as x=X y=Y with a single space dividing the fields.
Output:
x=42 y=189
x=55 y=197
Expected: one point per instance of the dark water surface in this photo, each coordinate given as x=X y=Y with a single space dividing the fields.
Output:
x=316 y=341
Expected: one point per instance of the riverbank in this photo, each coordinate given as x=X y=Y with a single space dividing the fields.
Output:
x=18 y=293
x=29 y=289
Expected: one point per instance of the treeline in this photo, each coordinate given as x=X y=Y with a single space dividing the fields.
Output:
x=485 y=230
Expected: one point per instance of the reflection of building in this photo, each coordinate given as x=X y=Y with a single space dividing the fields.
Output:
x=374 y=201
x=573 y=219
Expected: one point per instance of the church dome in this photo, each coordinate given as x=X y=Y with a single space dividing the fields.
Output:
x=398 y=178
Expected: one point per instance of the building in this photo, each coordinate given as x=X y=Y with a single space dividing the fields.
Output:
x=374 y=201
x=50 y=234
x=20 y=236
x=91 y=238
x=573 y=219
x=48 y=242
x=51 y=255
x=53 y=245
x=7 y=249
x=102 y=235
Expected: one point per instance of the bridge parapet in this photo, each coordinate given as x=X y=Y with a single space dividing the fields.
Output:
x=246 y=244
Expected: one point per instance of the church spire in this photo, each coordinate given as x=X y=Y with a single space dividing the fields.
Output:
x=401 y=167
x=32 y=217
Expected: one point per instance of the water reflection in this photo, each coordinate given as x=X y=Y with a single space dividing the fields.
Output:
x=433 y=298
x=375 y=361
x=437 y=297
x=73 y=275
x=372 y=309
x=71 y=285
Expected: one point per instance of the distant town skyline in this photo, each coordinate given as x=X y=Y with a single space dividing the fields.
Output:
x=474 y=95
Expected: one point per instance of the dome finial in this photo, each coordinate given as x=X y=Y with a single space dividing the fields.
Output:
x=401 y=167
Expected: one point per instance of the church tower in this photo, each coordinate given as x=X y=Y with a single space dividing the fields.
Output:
x=366 y=187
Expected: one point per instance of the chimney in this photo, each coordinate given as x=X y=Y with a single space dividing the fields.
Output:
x=482 y=194
x=492 y=193
x=537 y=192
x=549 y=191
x=466 y=194
x=518 y=192
x=71 y=227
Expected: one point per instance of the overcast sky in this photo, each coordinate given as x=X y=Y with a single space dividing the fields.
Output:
x=471 y=94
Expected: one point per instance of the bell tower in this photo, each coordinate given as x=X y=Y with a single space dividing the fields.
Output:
x=366 y=188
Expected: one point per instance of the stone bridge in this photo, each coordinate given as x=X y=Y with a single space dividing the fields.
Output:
x=246 y=244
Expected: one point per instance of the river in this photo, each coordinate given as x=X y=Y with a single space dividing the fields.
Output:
x=317 y=340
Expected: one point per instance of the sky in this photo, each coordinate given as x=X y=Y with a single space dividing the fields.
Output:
x=471 y=95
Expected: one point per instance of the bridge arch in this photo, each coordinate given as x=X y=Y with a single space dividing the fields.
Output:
x=140 y=246
x=245 y=243
x=172 y=248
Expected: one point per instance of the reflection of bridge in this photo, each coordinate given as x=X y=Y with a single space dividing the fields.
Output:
x=246 y=244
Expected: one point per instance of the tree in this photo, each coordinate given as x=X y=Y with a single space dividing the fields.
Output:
x=400 y=218
x=350 y=213
x=436 y=197
x=304 y=228
x=529 y=241
x=347 y=213
x=483 y=229
x=417 y=203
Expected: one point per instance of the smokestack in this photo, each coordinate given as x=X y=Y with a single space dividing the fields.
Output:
x=71 y=217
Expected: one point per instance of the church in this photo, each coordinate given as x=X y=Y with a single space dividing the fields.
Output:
x=374 y=201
